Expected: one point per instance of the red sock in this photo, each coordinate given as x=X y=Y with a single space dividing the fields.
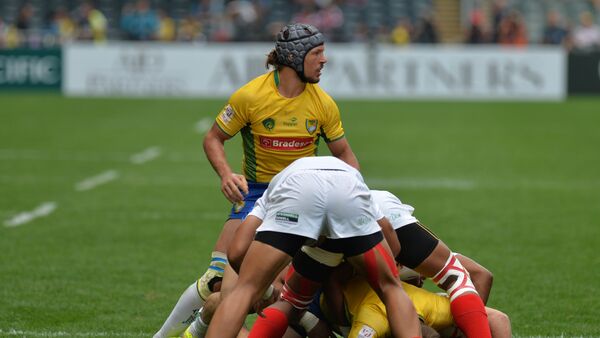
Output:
x=470 y=316
x=272 y=325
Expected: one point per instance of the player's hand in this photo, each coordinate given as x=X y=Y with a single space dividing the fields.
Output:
x=234 y=187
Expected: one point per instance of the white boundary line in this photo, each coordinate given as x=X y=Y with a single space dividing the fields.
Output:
x=421 y=183
x=42 y=210
x=203 y=125
x=27 y=333
x=146 y=155
x=93 y=182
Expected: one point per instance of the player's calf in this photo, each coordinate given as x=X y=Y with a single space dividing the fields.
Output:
x=466 y=305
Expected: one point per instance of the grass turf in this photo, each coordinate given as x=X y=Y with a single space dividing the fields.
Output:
x=514 y=185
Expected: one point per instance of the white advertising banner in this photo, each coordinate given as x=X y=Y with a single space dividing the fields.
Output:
x=352 y=71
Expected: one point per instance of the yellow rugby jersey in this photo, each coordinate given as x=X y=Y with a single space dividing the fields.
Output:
x=277 y=130
x=366 y=308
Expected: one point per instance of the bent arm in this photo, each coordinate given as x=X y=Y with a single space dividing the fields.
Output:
x=481 y=277
x=214 y=148
x=341 y=149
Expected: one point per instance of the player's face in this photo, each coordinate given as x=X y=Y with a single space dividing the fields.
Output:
x=314 y=62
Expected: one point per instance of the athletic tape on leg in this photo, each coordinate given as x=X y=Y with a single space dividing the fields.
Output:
x=454 y=278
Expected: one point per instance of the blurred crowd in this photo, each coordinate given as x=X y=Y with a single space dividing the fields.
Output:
x=494 y=21
x=506 y=25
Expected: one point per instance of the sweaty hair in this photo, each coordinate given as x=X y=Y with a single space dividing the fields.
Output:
x=272 y=60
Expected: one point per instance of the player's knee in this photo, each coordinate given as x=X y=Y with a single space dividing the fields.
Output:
x=212 y=302
x=498 y=317
x=454 y=278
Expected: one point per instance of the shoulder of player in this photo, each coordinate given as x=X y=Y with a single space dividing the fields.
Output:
x=321 y=95
x=248 y=92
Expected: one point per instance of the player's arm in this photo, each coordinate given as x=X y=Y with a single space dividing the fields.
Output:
x=341 y=149
x=241 y=241
x=232 y=185
x=390 y=235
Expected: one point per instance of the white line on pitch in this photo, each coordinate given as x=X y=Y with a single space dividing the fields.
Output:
x=29 y=333
x=421 y=183
x=92 y=182
x=146 y=155
x=203 y=125
x=42 y=210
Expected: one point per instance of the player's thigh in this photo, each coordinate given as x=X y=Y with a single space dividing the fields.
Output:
x=378 y=266
x=261 y=265
x=416 y=242
x=436 y=261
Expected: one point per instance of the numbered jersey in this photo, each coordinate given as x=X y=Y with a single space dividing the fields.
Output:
x=277 y=130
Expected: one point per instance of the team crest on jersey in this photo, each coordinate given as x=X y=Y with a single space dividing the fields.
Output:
x=311 y=126
x=366 y=332
x=269 y=124
x=227 y=114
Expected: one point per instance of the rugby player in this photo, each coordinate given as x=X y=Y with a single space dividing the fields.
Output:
x=366 y=314
x=313 y=197
x=425 y=253
x=281 y=115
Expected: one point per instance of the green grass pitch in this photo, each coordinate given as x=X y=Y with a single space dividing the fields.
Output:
x=514 y=185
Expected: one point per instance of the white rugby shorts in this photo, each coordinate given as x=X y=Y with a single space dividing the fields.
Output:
x=314 y=202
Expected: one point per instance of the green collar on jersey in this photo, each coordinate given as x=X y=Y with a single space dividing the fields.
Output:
x=276 y=78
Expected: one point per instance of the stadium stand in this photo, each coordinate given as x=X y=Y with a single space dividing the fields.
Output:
x=39 y=23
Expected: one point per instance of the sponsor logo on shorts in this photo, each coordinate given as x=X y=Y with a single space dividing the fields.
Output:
x=394 y=217
x=285 y=143
x=362 y=220
x=269 y=124
x=227 y=114
x=286 y=217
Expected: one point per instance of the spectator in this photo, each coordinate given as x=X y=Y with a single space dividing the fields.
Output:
x=190 y=29
x=92 y=23
x=512 y=30
x=477 y=33
x=62 y=26
x=166 y=27
x=332 y=19
x=24 y=17
x=426 y=31
x=401 y=32
x=586 y=36
x=141 y=23
x=554 y=32
x=307 y=14
x=244 y=17
x=499 y=12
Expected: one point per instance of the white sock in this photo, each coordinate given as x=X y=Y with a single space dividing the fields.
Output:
x=183 y=314
x=198 y=328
